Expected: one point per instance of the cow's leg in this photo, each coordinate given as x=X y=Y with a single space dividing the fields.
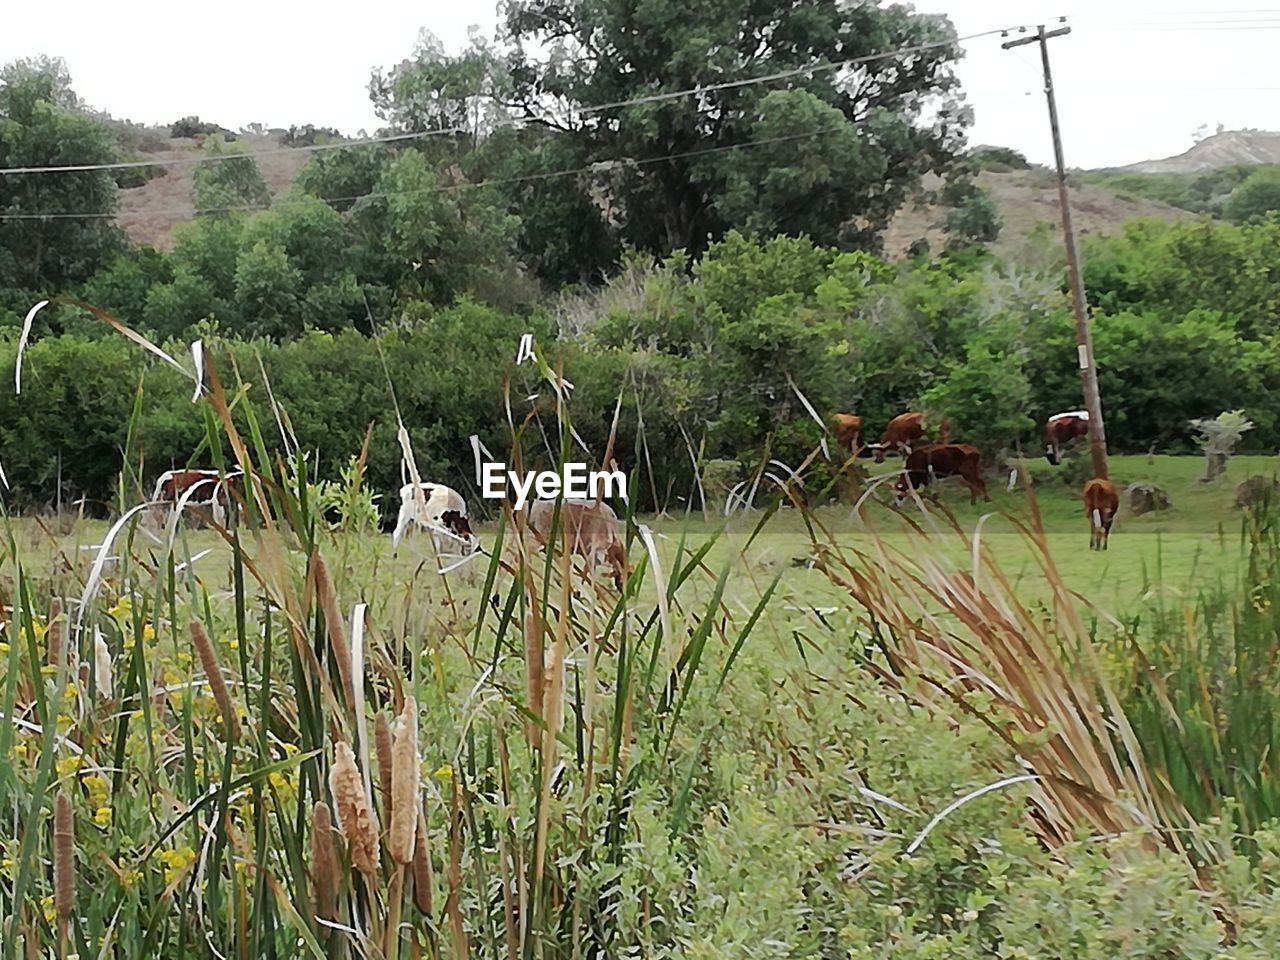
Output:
x=403 y=521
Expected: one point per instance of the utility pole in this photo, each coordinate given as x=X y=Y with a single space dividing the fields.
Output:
x=1084 y=339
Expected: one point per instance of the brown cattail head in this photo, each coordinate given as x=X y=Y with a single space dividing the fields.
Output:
x=324 y=864
x=64 y=852
x=217 y=683
x=53 y=636
x=355 y=818
x=422 y=873
x=335 y=625
x=405 y=772
x=382 y=743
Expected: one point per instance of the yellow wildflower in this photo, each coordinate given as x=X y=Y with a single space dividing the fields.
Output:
x=129 y=878
x=50 y=914
x=4 y=647
x=70 y=692
x=102 y=816
x=68 y=765
x=148 y=632
x=6 y=866
x=97 y=787
x=444 y=772
x=19 y=750
x=122 y=608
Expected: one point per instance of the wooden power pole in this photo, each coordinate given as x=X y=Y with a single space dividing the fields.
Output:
x=1084 y=339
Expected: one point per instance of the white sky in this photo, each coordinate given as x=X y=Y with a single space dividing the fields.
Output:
x=1134 y=79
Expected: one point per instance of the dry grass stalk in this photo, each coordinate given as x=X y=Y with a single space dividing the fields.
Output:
x=217 y=683
x=405 y=771
x=324 y=865
x=1033 y=679
x=382 y=744
x=53 y=637
x=64 y=875
x=335 y=625
x=423 y=878
x=101 y=666
x=355 y=818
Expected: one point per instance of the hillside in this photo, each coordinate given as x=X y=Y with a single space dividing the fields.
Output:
x=150 y=212
x=1026 y=199
x=1221 y=150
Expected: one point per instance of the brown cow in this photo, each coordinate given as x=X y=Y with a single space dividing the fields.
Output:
x=901 y=435
x=207 y=489
x=592 y=530
x=1100 y=505
x=848 y=430
x=939 y=462
x=1060 y=430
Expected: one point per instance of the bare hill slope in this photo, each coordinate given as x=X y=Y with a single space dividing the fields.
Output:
x=1221 y=150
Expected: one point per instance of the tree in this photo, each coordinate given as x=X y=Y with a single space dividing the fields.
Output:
x=833 y=157
x=972 y=216
x=229 y=180
x=574 y=63
x=40 y=126
x=1256 y=197
x=986 y=398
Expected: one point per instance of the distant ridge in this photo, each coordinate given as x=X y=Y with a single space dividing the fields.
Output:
x=1226 y=149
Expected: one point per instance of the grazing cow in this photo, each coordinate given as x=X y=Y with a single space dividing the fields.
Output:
x=592 y=529
x=207 y=489
x=901 y=435
x=1060 y=430
x=1100 y=505
x=439 y=509
x=939 y=462
x=848 y=429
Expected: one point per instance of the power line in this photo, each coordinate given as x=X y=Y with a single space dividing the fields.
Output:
x=449 y=188
x=214 y=157
x=597 y=108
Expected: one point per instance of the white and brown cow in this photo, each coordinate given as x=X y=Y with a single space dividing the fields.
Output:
x=213 y=494
x=592 y=529
x=440 y=510
x=1062 y=429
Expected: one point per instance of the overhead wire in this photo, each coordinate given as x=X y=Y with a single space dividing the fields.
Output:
x=585 y=110
x=447 y=188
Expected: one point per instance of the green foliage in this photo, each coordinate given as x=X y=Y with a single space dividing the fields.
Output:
x=230 y=181
x=1258 y=196
x=987 y=397
x=996 y=159
x=972 y=216
x=193 y=126
x=40 y=124
x=1204 y=192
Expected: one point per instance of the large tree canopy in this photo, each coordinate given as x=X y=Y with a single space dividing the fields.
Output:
x=40 y=125
x=829 y=153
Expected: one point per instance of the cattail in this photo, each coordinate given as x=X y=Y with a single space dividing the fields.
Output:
x=101 y=666
x=324 y=864
x=422 y=877
x=64 y=852
x=217 y=684
x=382 y=743
x=405 y=771
x=53 y=637
x=334 y=623
x=355 y=819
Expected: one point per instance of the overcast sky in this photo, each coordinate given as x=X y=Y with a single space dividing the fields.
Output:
x=1135 y=78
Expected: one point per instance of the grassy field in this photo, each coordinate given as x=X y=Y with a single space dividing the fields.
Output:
x=747 y=756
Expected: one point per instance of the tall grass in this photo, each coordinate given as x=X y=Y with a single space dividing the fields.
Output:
x=219 y=796
x=1200 y=681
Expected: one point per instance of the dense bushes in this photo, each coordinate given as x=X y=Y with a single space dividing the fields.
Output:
x=709 y=360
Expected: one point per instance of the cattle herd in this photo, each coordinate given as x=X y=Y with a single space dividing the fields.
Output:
x=592 y=528
x=926 y=459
